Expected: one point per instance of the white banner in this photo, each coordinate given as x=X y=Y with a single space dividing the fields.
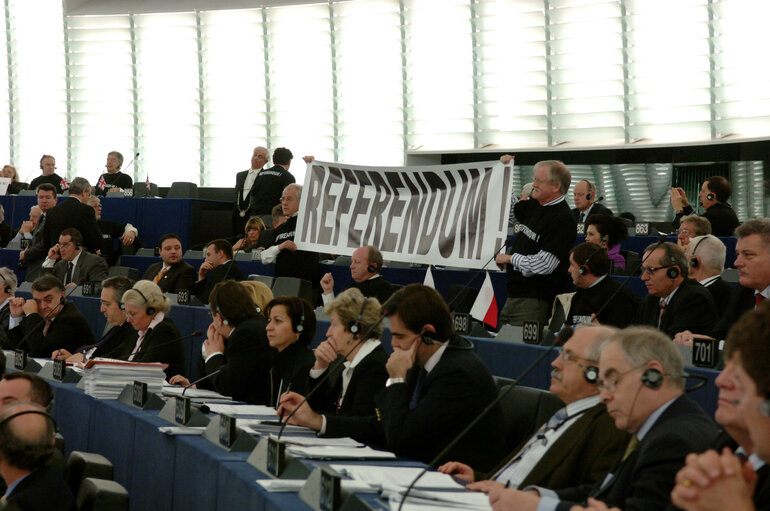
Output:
x=453 y=215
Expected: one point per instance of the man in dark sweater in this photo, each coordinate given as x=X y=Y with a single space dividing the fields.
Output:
x=589 y=267
x=48 y=166
x=713 y=197
x=537 y=266
x=365 y=268
x=269 y=184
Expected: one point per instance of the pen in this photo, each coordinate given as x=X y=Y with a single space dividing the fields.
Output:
x=507 y=484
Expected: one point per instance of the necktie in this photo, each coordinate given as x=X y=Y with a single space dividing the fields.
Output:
x=582 y=217
x=662 y=311
x=631 y=448
x=160 y=274
x=47 y=326
x=417 y=387
x=70 y=268
x=758 y=298
x=557 y=419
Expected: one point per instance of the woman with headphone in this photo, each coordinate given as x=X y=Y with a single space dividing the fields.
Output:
x=344 y=404
x=608 y=231
x=290 y=329
x=156 y=338
x=236 y=347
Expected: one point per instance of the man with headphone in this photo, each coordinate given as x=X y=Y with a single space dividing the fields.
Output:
x=706 y=257
x=365 y=268
x=713 y=196
x=71 y=264
x=589 y=267
x=7 y=292
x=436 y=385
x=578 y=444
x=584 y=195
x=674 y=303
x=642 y=383
x=49 y=175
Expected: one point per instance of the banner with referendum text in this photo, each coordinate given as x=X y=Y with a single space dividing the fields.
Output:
x=453 y=215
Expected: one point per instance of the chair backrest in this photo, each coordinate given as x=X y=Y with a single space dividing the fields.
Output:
x=731 y=275
x=291 y=286
x=525 y=409
x=265 y=279
x=193 y=254
x=183 y=190
x=343 y=261
x=28 y=192
x=633 y=261
x=123 y=271
x=118 y=194
x=101 y=495
x=86 y=464
x=140 y=189
x=146 y=252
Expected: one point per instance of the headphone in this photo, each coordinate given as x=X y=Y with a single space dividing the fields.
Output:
x=588 y=196
x=372 y=268
x=354 y=327
x=38 y=412
x=299 y=327
x=7 y=289
x=673 y=272
x=764 y=406
x=428 y=338
x=693 y=260
x=150 y=310
x=652 y=378
x=591 y=374
x=584 y=269
x=710 y=196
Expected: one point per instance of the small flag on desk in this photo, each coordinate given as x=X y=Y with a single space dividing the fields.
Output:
x=102 y=184
x=485 y=307
x=64 y=185
x=429 y=279
x=147 y=182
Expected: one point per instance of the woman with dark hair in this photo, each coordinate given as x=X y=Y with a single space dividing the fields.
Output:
x=290 y=329
x=236 y=346
x=608 y=231
x=344 y=404
x=253 y=229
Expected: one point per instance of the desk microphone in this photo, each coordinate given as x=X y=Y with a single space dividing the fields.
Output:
x=131 y=162
x=208 y=376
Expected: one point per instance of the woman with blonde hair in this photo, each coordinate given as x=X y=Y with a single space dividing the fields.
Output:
x=253 y=229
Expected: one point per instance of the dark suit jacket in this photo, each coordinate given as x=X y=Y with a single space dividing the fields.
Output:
x=179 y=276
x=720 y=291
x=245 y=364
x=161 y=344
x=69 y=330
x=741 y=300
x=582 y=455
x=378 y=288
x=618 y=306
x=722 y=217
x=457 y=389
x=202 y=288
x=290 y=367
x=44 y=488
x=5 y=342
x=645 y=479
x=90 y=268
x=597 y=209
x=71 y=213
x=691 y=308
x=113 y=340
x=356 y=416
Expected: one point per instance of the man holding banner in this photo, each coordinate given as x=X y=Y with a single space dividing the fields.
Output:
x=538 y=263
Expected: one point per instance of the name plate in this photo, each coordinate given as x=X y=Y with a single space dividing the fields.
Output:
x=276 y=456
x=331 y=496
x=531 y=332
x=140 y=394
x=24 y=243
x=704 y=353
x=59 y=369
x=20 y=360
x=462 y=323
x=182 y=410
x=88 y=288
x=226 y=430
x=183 y=296
x=642 y=229
x=581 y=228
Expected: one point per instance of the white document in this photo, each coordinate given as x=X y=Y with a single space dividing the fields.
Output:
x=176 y=390
x=338 y=453
x=181 y=430
x=242 y=410
x=295 y=485
x=419 y=500
x=319 y=441
x=397 y=477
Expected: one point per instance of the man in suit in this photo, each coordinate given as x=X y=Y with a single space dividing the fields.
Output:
x=713 y=196
x=74 y=212
x=365 y=268
x=436 y=386
x=674 y=303
x=584 y=195
x=642 y=386
x=26 y=448
x=579 y=444
x=589 y=267
x=71 y=264
x=7 y=292
x=47 y=322
x=270 y=183
x=715 y=480
x=33 y=255
x=48 y=176
x=126 y=234
x=27 y=229
x=23 y=386
x=706 y=257
x=244 y=182
x=172 y=273
x=217 y=266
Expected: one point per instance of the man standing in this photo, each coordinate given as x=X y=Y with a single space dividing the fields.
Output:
x=172 y=274
x=71 y=264
x=578 y=444
x=269 y=184
x=674 y=303
x=713 y=197
x=217 y=266
x=48 y=166
x=111 y=231
x=584 y=195
x=244 y=182
x=365 y=268
x=536 y=269
x=642 y=386
x=436 y=386
x=73 y=212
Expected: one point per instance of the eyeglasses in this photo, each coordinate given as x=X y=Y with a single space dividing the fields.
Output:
x=569 y=357
x=652 y=269
x=612 y=382
x=686 y=232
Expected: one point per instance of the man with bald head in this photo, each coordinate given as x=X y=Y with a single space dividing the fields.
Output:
x=584 y=195
x=244 y=182
x=365 y=268
x=27 y=229
x=26 y=447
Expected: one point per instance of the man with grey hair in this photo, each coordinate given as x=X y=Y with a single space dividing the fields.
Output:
x=7 y=291
x=537 y=265
x=642 y=386
x=73 y=212
x=27 y=229
x=244 y=183
x=706 y=258
x=578 y=444
x=690 y=227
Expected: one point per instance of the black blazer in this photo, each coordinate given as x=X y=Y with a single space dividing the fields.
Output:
x=691 y=308
x=457 y=389
x=114 y=339
x=179 y=276
x=720 y=291
x=161 y=344
x=245 y=364
x=356 y=416
x=69 y=330
x=202 y=288
x=597 y=209
x=44 y=488
x=722 y=217
x=378 y=288
x=290 y=367
x=741 y=301
x=71 y=213
x=5 y=314
x=645 y=479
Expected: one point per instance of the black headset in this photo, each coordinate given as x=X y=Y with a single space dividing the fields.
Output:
x=428 y=338
x=372 y=268
x=38 y=412
x=673 y=272
x=693 y=260
x=584 y=268
x=591 y=374
x=150 y=310
x=652 y=378
x=588 y=196
x=764 y=406
x=7 y=289
x=354 y=327
x=299 y=327
x=710 y=196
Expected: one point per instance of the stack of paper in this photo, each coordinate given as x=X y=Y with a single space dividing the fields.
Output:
x=398 y=478
x=106 y=378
